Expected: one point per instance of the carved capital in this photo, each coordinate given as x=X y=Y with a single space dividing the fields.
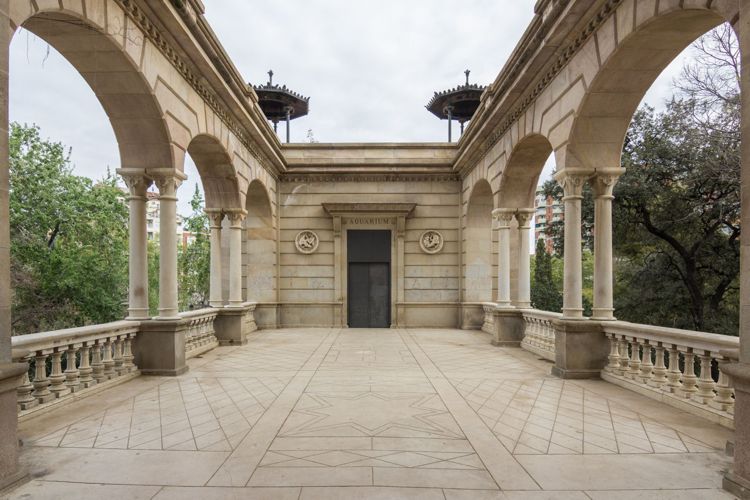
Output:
x=236 y=218
x=572 y=182
x=215 y=218
x=167 y=185
x=524 y=216
x=503 y=216
x=604 y=182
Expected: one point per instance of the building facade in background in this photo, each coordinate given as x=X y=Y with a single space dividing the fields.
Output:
x=548 y=209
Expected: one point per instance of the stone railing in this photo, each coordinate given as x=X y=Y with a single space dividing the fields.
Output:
x=539 y=332
x=679 y=367
x=69 y=362
x=200 y=335
x=489 y=317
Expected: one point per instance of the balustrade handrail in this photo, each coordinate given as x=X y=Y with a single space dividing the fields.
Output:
x=56 y=338
x=702 y=341
x=199 y=313
x=539 y=314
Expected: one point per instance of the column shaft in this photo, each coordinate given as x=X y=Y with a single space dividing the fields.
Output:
x=235 y=258
x=215 y=295
x=572 y=280
x=168 y=307
x=524 y=258
x=138 y=236
x=502 y=221
x=603 y=185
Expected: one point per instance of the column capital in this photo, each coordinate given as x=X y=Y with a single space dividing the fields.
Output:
x=503 y=216
x=136 y=181
x=236 y=217
x=167 y=180
x=604 y=180
x=572 y=181
x=215 y=217
x=524 y=216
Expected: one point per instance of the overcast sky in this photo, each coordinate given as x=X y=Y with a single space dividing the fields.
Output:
x=368 y=67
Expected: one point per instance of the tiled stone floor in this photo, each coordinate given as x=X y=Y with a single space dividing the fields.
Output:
x=382 y=414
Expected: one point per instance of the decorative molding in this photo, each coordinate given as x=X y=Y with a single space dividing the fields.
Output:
x=357 y=177
x=358 y=209
x=431 y=242
x=168 y=51
x=306 y=242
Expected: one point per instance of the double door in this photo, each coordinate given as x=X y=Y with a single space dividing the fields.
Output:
x=369 y=278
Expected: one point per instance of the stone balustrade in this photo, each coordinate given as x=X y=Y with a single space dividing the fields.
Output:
x=67 y=362
x=200 y=335
x=679 y=367
x=539 y=332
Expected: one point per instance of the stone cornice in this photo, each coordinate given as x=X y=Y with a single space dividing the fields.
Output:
x=394 y=209
x=369 y=177
x=196 y=81
x=477 y=141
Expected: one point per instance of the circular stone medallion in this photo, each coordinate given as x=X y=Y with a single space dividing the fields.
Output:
x=431 y=242
x=306 y=242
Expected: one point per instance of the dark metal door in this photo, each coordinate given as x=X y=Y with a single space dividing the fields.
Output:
x=369 y=276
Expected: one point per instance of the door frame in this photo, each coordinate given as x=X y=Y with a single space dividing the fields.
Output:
x=390 y=289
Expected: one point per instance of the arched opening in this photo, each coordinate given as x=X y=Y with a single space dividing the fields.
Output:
x=259 y=253
x=478 y=263
x=216 y=171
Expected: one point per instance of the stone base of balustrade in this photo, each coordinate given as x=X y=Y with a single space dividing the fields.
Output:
x=737 y=481
x=507 y=327
x=234 y=324
x=674 y=399
x=10 y=378
x=202 y=349
x=581 y=349
x=160 y=349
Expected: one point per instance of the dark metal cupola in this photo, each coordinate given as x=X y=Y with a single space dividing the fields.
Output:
x=459 y=103
x=280 y=103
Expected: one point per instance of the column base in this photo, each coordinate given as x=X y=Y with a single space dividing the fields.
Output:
x=737 y=480
x=581 y=349
x=160 y=347
x=603 y=314
x=138 y=314
x=10 y=378
x=235 y=323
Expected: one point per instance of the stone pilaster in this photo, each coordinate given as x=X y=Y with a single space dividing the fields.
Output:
x=138 y=235
x=572 y=181
x=502 y=217
x=215 y=295
x=603 y=184
x=235 y=257
x=168 y=182
x=524 y=216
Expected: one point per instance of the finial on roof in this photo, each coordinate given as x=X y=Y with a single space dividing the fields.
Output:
x=270 y=77
x=467 y=76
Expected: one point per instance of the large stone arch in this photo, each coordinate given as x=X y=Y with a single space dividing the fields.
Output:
x=520 y=177
x=217 y=172
x=104 y=46
x=634 y=46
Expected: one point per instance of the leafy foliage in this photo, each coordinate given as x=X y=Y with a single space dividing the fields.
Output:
x=194 y=258
x=545 y=293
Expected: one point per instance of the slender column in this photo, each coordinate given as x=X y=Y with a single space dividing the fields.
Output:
x=235 y=258
x=449 y=114
x=168 y=184
x=502 y=218
x=288 y=110
x=216 y=298
x=523 y=216
x=338 y=289
x=603 y=184
x=572 y=183
x=138 y=235
x=400 y=271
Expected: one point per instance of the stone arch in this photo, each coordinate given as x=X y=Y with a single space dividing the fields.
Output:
x=478 y=262
x=629 y=67
x=259 y=249
x=217 y=173
x=105 y=49
x=520 y=177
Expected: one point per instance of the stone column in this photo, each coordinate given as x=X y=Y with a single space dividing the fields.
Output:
x=502 y=217
x=603 y=184
x=168 y=183
x=523 y=216
x=398 y=320
x=572 y=181
x=138 y=234
x=338 y=294
x=737 y=481
x=215 y=295
x=235 y=257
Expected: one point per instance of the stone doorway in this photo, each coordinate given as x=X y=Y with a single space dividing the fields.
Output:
x=369 y=278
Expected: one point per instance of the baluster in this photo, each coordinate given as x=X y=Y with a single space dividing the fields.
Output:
x=41 y=382
x=107 y=361
x=660 y=370
x=674 y=374
x=127 y=354
x=706 y=381
x=724 y=399
x=118 y=356
x=71 y=371
x=24 y=397
x=614 y=355
x=57 y=377
x=635 y=359
x=689 y=379
x=97 y=365
x=624 y=359
x=647 y=365
x=84 y=367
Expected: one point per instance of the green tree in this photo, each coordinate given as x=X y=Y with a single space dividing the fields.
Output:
x=194 y=258
x=68 y=239
x=545 y=293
